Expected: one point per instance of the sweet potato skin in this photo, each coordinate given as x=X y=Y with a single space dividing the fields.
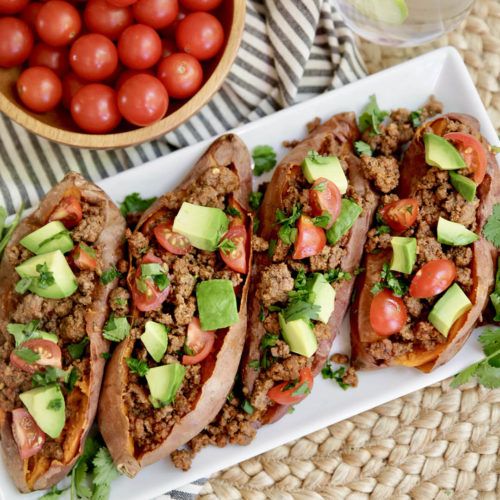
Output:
x=483 y=264
x=110 y=244
x=112 y=417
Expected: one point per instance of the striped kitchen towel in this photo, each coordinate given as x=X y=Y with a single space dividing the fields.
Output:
x=291 y=50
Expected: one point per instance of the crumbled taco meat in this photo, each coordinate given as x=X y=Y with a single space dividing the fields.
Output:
x=382 y=170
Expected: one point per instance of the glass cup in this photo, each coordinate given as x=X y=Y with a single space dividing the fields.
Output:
x=402 y=23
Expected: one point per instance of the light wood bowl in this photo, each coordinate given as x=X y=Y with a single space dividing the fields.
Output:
x=58 y=126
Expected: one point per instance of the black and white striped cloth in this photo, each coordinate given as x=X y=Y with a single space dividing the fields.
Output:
x=291 y=50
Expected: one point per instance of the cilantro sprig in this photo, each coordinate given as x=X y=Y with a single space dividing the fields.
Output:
x=264 y=158
x=389 y=280
x=138 y=366
x=327 y=372
x=255 y=199
x=362 y=148
x=134 y=203
x=491 y=229
x=288 y=232
x=371 y=117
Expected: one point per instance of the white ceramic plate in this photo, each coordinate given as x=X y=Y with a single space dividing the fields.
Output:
x=441 y=73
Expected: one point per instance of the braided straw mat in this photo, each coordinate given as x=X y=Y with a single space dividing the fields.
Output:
x=437 y=443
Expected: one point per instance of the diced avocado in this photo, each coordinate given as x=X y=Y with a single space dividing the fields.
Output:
x=441 y=153
x=449 y=308
x=404 y=254
x=202 y=226
x=464 y=185
x=299 y=336
x=164 y=382
x=349 y=212
x=46 y=406
x=323 y=295
x=328 y=167
x=216 y=304
x=21 y=333
x=53 y=236
x=453 y=233
x=385 y=11
x=155 y=339
x=64 y=281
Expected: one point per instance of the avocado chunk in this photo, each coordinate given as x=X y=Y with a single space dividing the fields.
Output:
x=216 y=304
x=299 y=336
x=22 y=333
x=441 y=153
x=349 y=212
x=323 y=296
x=454 y=234
x=46 y=406
x=53 y=236
x=164 y=382
x=329 y=167
x=449 y=308
x=385 y=11
x=51 y=276
x=404 y=254
x=202 y=226
x=464 y=185
x=155 y=339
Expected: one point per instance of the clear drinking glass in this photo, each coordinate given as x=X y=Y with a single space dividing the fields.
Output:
x=402 y=23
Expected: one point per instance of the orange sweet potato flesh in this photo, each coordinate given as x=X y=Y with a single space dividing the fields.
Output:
x=483 y=263
x=228 y=151
x=39 y=472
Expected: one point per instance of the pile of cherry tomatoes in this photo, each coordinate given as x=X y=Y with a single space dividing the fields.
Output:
x=108 y=60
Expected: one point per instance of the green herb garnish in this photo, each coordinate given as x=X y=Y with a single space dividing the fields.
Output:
x=264 y=158
x=371 y=117
x=137 y=366
x=109 y=275
x=133 y=203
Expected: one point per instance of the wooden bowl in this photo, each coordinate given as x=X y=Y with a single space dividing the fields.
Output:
x=58 y=126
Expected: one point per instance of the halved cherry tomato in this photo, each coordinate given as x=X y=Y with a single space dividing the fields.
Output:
x=236 y=259
x=27 y=435
x=49 y=352
x=401 y=214
x=153 y=297
x=324 y=196
x=173 y=242
x=472 y=152
x=433 y=278
x=199 y=341
x=69 y=212
x=388 y=313
x=283 y=394
x=84 y=257
x=310 y=240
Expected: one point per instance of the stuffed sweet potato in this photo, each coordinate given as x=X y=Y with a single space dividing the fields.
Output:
x=429 y=272
x=53 y=308
x=190 y=258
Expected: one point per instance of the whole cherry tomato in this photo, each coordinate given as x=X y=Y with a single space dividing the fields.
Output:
x=173 y=242
x=325 y=197
x=71 y=84
x=156 y=13
x=473 y=153
x=401 y=214
x=142 y=100
x=58 y=23
x=102 y=17
x=388 y=313
x=39 y=89
x=16 y=42
x=433 y=278
x=199 y=341
x=94 y=108
x=200 y=34
x=129 y=73
x=93 y=57
x=181 y=74
x=167 y=47
x=9 y=7
x=283 y=394
x=310 y=239
x=55 y=58
x=30 y=13
x=27 y=435
x=200 y=4
x=121 y=3
x=139 y=47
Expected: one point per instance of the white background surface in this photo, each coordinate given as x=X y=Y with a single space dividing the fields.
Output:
x=441 y=73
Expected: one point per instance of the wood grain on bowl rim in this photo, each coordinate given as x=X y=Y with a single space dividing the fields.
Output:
x=139 y=135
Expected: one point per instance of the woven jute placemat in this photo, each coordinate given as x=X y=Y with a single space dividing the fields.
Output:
x=438 y=443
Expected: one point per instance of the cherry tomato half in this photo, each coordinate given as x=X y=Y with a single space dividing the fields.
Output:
x=94 y=108
x=58 y=23
x=142 y=100
x=310 y=239
x=49 y=355
x=472 y=152
x=27 y=435
x=9 y=7
x=200 y=4
x=324 y=196
x=71 y=84
x=283 y=394
x=16 y=42
x=200 y=34
x=84 y=258
x=156 y=13
x=55 y=58
x=401 y=214
x=39 y=89
x=433 y=278
x=68 y=211
x=236 y=259
x=388 y=313
x=102 y=17
x=173 y=242
x=199 y=341
x=181 y=74
x=139 y=47
x=30 y=13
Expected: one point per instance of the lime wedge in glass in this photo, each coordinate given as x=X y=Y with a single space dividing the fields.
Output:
x=385 y=11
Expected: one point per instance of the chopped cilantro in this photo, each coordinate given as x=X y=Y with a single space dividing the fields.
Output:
x=55 y=404
x=272 y=247
x=226 y=246
x=264 y=158
x=491 y=229
x=389 y=280
x=255 y=199
x=371 y=117
x=233 y=211
x=256 y=224
x=76 y=350
x=74 y=376
x=138 y=366
x=328 y=372
x=495 y=296
x=50 y=375
x=105 y=355
x=288 y=232
x=416 y=118
x=268 y=340
x=53 y=494
x=254 y=364
x=45 y=277
x=116 y=329
x=300 y=309
x=362 y=148
x=291 y=409
x=27 y=355
x=333 y=275
x=133 y=203
x=322 y=220
x=247 y=407
x=109 y=275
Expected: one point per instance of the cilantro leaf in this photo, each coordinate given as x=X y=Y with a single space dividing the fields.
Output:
x=488 y=375
x=288 y=232
x=27 y=355
x=226 y=246
x=138 y=366
x=133 y=203
x=53 y=494
x=109 y=275
x=264 y=158
x=50 y=375
x=372 y=116
x=254 y=364
x=362 y=148
x=116 y=329
x=55 y=404
x=247 y=407
x=415 y=118
x=327 y=372
x=76 y=350
x=491 y=229
x=322 y=220
x=73 y=377
x=233 y=211
x=45 y=277
x=255 y=199
x=390 y=281
x=104 y=468
x=268 y=340
x=300 y=309
x=464 y=376
x=333 y=275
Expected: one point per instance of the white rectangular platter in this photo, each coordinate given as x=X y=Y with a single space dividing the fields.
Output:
x=441 y=73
